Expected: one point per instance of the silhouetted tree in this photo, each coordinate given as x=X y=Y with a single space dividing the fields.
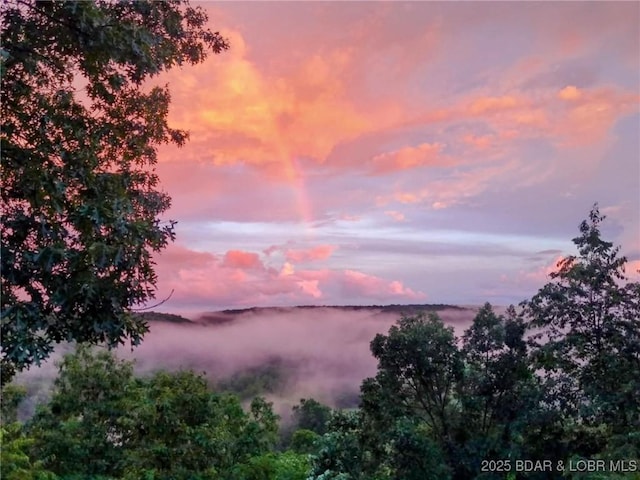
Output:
x=587 y=341
x=80 y=200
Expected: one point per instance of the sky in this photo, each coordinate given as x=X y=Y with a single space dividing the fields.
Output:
x=393 y=153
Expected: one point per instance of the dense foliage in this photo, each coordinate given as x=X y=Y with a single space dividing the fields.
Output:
x=103 y=422
x=80 y=200
x=559 y=382
x=553 y=385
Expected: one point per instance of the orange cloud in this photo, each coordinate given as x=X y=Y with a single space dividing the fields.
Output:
x=457 y=189
x=287 y=269
x=508 y=117
x=480 y=142
x=239 y=112
x=404 y=197
x=569 y=93
x=268 y=114
x=590 y=115
x=569 y=117
x=425 y=154
x=488 y=105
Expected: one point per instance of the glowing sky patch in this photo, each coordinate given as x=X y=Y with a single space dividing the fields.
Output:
x=400 y=151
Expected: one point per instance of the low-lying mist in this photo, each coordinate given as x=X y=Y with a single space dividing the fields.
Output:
x=282 y=354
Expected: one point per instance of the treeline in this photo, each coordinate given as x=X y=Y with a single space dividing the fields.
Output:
x=549 y=390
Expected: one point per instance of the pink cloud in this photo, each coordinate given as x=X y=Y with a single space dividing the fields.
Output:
x=240 y=278
x=480 y=142
x=267 y=115
x=568 y=116
x=457 y=189
x=542 y=275
x=532 y=279
x=283 y=132
x=242 y=260
x=404 y=197
x=321 y=252
x=249 y=115
x=397 y=216
x=243 y=109
x=361 y=284
x=425 y=154
x=177 y=256
x=586 y=117
x=489 y=105
x=287 y=269
x=632 y=270
x=310 y=287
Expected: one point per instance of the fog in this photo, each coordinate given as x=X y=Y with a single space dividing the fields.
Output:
x=321 y=352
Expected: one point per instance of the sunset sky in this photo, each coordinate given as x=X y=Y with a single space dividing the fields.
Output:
x=389 y=152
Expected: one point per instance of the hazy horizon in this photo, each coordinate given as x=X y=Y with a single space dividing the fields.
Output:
x=321 y=353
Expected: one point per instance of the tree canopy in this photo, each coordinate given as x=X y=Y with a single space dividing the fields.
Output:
x=586 y=339
x=557 y=381
x=80 y=199
x=166 y=426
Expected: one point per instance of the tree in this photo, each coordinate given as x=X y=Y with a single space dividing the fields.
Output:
x=435 y=410
x=182 y=430
x=312 y=415
x=496 y=393
x=414 y=454
x=587 y=341
x=273 y=466
x=308 y=421
x=418 y=366
x=15 y=460
x=350 y=451
x=304 y=441
x=15 y=463
x=79 y=134
x=341 y=454
x=409 y=409
x=10 y=398
x=85 y=418
x=167 y=426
